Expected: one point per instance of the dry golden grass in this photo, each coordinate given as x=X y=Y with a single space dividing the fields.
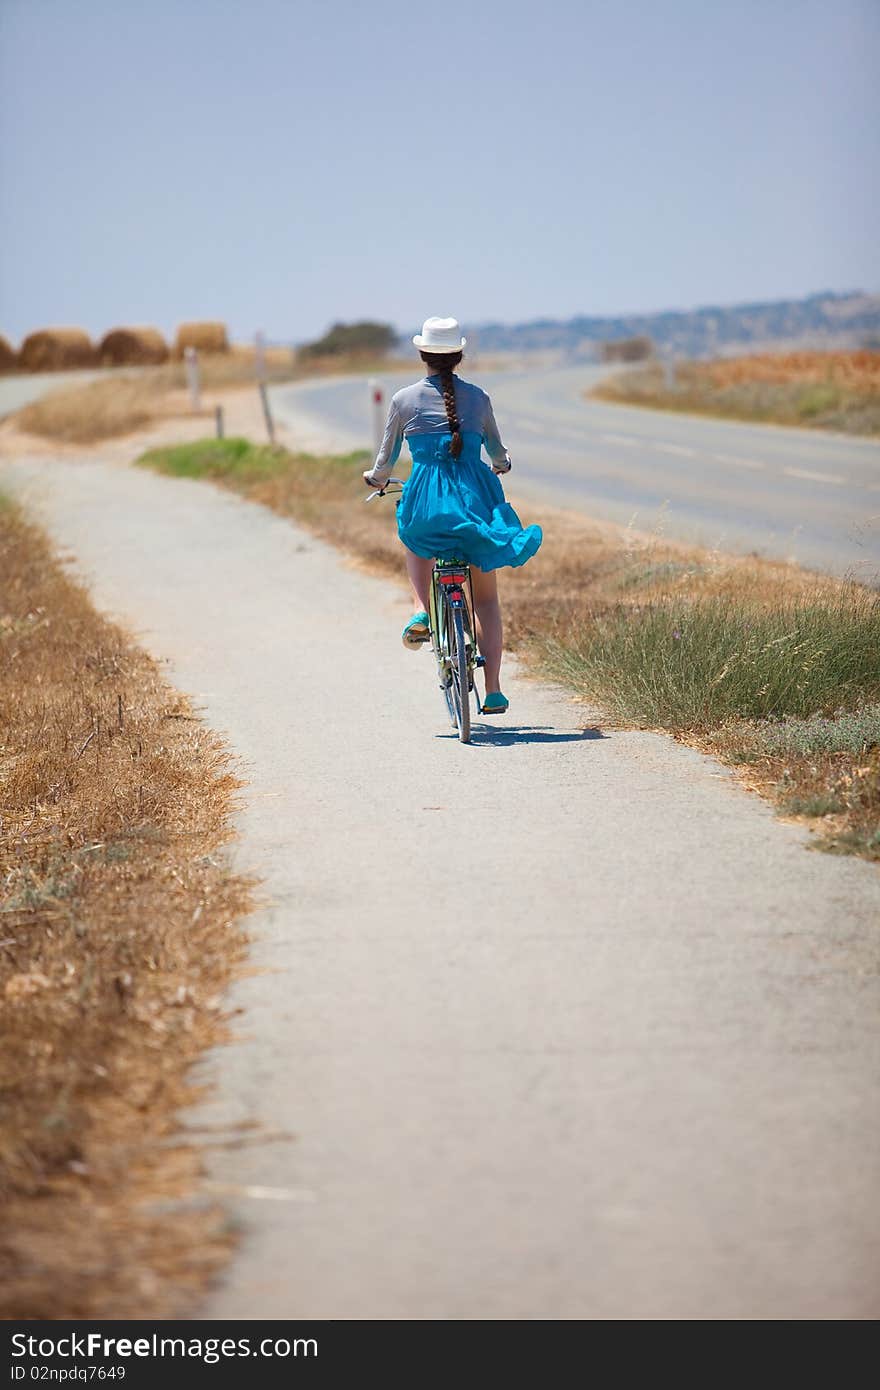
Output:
x=56 y=349
x=122 y=404
x=97 y=410
x=858 y=370
x=238 y=367
x=132 y=347
x=831 y=390
x=119 y=935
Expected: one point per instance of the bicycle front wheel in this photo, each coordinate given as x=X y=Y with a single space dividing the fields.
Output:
x=460 y=689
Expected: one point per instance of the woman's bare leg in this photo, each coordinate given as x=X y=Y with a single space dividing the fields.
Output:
x=419 y=572
x=490 y=634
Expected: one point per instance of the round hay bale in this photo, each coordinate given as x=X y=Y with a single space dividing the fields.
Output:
x=8 y=355
x=54 y=349
x=132 y=347
x=204 y=337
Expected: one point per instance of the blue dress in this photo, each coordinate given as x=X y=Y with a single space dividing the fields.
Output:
x=455 y=509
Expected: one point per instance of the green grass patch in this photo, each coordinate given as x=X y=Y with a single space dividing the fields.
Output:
x=218 y=459
x=313 y=490
x=815 y=807
x=853 y=732
x=811 y=402
x=866 y=844
x=238 y=462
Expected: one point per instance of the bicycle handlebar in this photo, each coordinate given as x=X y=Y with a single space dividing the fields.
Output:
x=381 y=491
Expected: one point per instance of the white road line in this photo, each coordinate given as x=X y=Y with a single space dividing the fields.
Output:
x=259 y=1193
x=619 y=439
x=739 y=461
x=679 y=449
x=812 y=477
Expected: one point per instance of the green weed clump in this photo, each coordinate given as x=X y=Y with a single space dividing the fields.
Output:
x=682 y=665
x=855 y=732
x=812 y=807
x=217 y=458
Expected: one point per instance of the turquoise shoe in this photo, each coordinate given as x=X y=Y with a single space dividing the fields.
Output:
x=496 y=703
x=416 y=631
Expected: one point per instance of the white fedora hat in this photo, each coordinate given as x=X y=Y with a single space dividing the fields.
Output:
x=440 y=335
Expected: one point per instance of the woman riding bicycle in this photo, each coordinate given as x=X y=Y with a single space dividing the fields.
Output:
x=453 y=505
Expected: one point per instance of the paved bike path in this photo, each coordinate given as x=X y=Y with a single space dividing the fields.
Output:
x=563 y=1024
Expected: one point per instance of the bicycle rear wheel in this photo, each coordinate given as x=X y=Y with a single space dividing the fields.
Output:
x=460 y=688
x=439 y=619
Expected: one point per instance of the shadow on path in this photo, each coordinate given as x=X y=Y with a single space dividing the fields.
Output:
x=492 y=735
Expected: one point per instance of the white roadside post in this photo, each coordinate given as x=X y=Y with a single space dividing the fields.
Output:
x=377 y=408
x=191 y=360
x=260 y=355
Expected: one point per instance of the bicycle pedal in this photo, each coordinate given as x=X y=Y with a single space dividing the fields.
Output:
x=480 y=661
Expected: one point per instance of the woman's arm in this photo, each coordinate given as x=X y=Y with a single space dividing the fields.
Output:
x=492 y=440
x=389 y=450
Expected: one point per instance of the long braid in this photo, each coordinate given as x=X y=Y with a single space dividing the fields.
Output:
x=447 y=380
x=443 y=365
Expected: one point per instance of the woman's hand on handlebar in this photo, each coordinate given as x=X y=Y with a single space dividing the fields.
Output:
x=387 y=487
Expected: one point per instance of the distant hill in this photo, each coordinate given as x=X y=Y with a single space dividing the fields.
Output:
x=827 y=320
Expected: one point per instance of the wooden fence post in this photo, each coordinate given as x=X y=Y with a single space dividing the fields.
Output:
x=267 y=413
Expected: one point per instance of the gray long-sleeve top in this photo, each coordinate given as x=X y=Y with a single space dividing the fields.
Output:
x=419 y=409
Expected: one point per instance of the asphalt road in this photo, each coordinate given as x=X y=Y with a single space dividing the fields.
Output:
x=560 y=1025
x=804 y=495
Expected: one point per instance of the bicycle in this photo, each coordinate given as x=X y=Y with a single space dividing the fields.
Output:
x=451 y=629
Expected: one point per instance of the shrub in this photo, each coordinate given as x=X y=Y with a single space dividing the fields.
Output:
x=355 y=338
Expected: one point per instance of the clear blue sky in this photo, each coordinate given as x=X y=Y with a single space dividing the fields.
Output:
x=284 y=163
